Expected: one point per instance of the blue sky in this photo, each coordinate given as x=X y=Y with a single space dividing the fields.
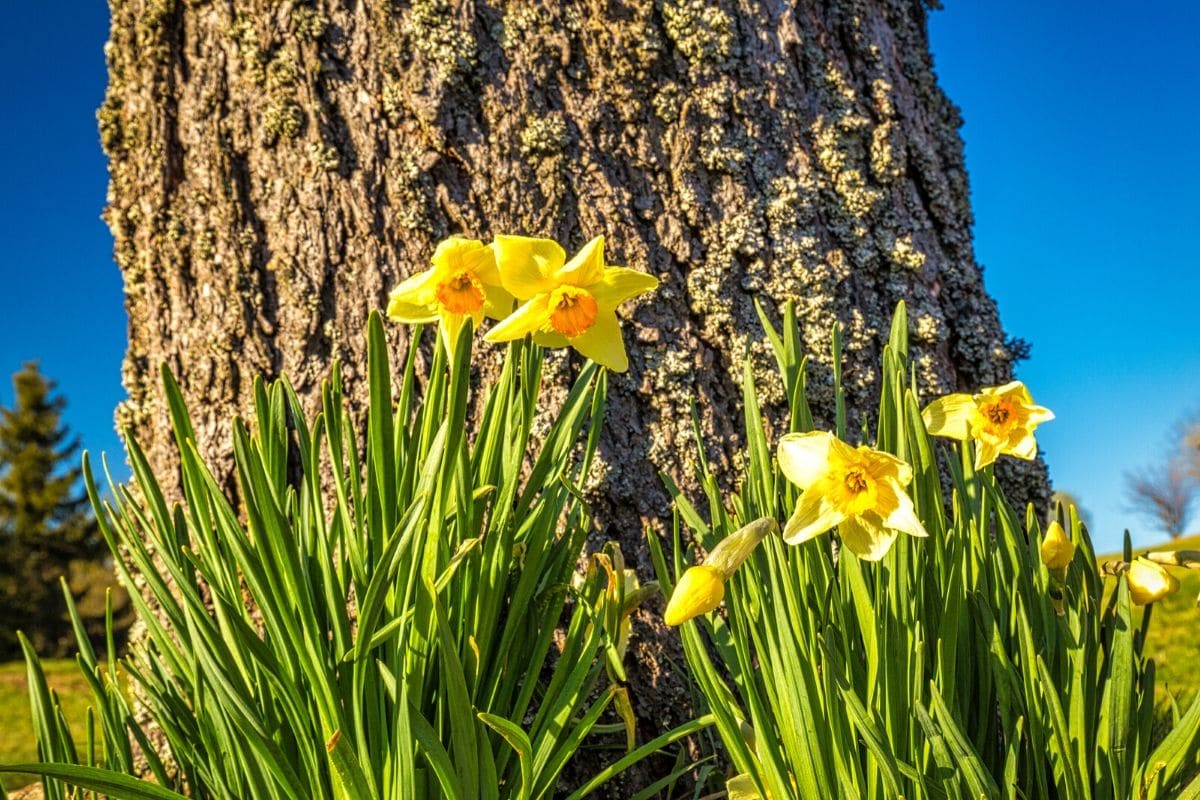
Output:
x=1080 y=134
x=60 y=293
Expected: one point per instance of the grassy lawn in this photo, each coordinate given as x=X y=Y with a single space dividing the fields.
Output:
x=16 y=727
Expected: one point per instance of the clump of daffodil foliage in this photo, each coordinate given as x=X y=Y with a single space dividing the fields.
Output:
x=389 y=612
x=973 y=657
x=396 y=612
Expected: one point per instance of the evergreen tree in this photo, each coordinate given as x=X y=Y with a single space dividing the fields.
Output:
x=45 y=521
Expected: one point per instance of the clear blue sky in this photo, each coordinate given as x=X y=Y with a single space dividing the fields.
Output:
x=1081 y=133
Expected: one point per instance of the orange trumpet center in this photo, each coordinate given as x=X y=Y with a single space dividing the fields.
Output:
x=461 y=294
x=572 y=310
x=999 y=417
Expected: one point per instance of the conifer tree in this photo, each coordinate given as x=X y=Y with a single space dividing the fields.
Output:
x=45 y=521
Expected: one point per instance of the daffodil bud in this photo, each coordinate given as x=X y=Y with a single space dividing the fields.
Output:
x=741 y=787
x=737 y=547
x=699 y=590
x=1057 y=547
x=702 y=588
x=1149 y=582
x=1189 y=559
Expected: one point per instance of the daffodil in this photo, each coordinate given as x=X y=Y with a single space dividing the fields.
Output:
x=858 y=490
x=566 y=302
x=702 y=588
x=462 y=284
x=1148 y=582
x=1000 y=419
x=741 y=787
x=1057 y=548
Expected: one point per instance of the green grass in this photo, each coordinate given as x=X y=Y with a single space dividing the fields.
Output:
x=16 y=725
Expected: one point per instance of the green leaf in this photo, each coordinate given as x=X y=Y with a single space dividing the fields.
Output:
x=350 y=777
x=112 y=784
x=519 y=741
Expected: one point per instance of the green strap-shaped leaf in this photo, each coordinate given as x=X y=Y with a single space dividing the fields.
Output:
x=966 y=759
x=112 y=784
x=347 y=771
x=649 y=748
x=519 y=741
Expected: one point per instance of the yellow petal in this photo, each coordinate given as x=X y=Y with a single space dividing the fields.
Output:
x=550 y=340
x=1025 y=447
x=497 y=303
x=527 y=266
x=866 y=537
x=451 y=325
x=1012 y=387
x=1038 y=415
x=950 y=416
x=586 y=267
x=886 y=467
x=529 y=318
x=804 y=457
x=412 y=300
x=602 y=343
x=1149 y=582
x=620 y=284
x=410 y=313
x=698 y=591
x=459 y=254
x=729 y=554
x=812 y=517
x=1057 y=548
x=986 y=452
x=903 y=515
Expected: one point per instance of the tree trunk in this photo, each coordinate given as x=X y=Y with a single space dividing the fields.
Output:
x=276 y=167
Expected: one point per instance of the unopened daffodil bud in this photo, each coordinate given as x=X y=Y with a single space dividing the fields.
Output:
x=1057 y=547
x=1148 y=582
x=1189 y=559
x=702 y=588
x=741 y=787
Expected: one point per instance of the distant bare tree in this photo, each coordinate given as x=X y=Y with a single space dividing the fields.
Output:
x=1165 y=493
x=1189 y=444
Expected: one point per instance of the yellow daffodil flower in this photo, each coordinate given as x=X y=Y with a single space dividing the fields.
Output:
x=1001 y=419
x=1148 y=582
x=702 y=588
x=566 y=302
x=462 y=284
x=859 y=490
x=1057 y=547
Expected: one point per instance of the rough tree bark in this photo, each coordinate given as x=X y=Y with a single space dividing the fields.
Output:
x=278 y=165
